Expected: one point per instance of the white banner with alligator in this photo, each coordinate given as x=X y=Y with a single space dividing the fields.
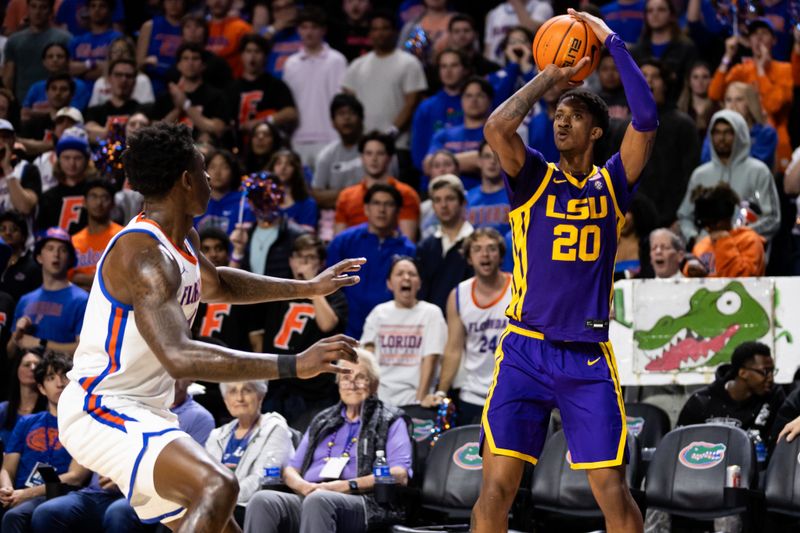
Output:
x=679 y=331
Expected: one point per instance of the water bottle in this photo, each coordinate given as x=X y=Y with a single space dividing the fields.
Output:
x=272 y=472
x=384 y=481
x=760 y=447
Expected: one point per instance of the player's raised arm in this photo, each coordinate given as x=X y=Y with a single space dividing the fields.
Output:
x=637 y=144
x=235 y=286
x=501 y=127
x=147 y=276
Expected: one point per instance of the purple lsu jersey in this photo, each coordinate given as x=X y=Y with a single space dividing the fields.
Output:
x=564 y=232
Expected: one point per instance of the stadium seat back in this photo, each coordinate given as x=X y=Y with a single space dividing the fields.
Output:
x=782 y=483
x=687 y=472
x=648 y=423
x=454 y=469
x=557 y=487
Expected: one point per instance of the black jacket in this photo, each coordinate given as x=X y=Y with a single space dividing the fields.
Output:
x=277 y=264
x=440 y=274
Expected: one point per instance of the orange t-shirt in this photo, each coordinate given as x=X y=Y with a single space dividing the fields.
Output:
x=776 y=89
x=223 y=40
x=738 y=256
x=90 y=246
x=350 y=203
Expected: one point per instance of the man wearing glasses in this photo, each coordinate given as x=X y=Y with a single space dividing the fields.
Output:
x=121 y=80
x=744 y=392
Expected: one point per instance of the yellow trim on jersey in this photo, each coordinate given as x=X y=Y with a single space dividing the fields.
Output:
x=572 y=179
x=620 y=225
x=525 y=332
x=520 y=220
x=487 y=430
x=608 y=352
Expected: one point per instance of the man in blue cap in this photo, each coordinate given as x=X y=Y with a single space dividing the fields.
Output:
x=52 y=315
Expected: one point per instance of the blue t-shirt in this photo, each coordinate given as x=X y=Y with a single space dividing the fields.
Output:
x=459 y=139
x=625 y=20
x=92 y=46
x=75 y=14
x=371 y=291
x=4 y=433
x=37 y=94
x=284 y=43
x=35 y=438
x=304 y=213
x=224 y=213
x=164 y=42
x=540 y=135
x=56 y=315
x=435 y=113
x=488 y=210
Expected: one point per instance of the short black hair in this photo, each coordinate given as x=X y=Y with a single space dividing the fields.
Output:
x=347 y=100
x=461 y=17
x=99 y=184
x=596 y=106
x=233 y=163
x=396 y=259
x=62 y=76
x=483 y=83
x=375 y=135
x=17 y=219
x=309 y=241
x=383 y=14
x=57 y=45
x=746 y=352
x=313 y=14
x=388 y=189
x=121 y=61
x=714 y=204
x=666 y=73
x=190 y=47
x=253 y=38
x=157 y=156
x=51 y=361
x=212 y=232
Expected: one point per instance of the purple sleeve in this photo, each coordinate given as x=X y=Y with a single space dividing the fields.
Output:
x=644 y=113
x=619 y=179
x=522 y=186
x=398 y=446
x=296 y=461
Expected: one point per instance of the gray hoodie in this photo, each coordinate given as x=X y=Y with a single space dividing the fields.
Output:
x=749 y=177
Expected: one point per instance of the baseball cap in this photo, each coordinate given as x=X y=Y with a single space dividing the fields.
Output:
x=6 y=125
x=760 y=22
x=74 y=138
x=70 y=112
x=56 y=234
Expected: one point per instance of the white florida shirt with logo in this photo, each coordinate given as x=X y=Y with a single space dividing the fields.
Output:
x=402 y=337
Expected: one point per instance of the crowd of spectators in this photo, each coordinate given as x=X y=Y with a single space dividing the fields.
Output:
x=368 y=118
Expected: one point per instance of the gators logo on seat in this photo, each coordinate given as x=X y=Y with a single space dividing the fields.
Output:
x=468 y=456
x=702 y=455
x=635 y=425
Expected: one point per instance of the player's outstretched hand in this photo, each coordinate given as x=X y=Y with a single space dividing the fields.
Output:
x=322 y=356
x=598 y=25
x=334 y=278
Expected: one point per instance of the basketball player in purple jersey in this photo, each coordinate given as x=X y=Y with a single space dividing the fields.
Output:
x=565 y=221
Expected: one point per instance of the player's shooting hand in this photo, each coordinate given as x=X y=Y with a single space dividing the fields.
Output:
x=597 y=25
x=790 y=430
x=322 y=356
x=564 y=75
x=334 y=278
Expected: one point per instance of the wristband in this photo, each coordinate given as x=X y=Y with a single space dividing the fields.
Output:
x=287 y=366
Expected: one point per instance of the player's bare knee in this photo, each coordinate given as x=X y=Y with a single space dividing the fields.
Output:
x=498 y=490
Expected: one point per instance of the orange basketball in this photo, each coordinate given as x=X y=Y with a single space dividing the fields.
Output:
x=563 y=41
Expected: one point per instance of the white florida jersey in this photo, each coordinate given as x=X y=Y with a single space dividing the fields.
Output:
x=112 y=359
x=483 y=327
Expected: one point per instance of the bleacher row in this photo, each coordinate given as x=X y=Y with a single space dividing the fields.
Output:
x=681 y=472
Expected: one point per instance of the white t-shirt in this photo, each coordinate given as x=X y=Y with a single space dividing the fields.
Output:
x=502 y=18
x=142 y=91
x=402 y=337
x=381 y=83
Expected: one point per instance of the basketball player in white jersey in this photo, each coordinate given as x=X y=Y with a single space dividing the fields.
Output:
x=114 y=416
x=476 y=317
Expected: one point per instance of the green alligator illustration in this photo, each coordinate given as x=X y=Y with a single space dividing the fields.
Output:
x=702 y=454
x=717 y=322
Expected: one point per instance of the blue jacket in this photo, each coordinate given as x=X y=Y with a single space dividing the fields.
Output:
x=434 y=113
x=371 y=291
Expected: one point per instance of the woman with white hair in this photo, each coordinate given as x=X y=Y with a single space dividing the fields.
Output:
x=330 y=474
x=251 y=439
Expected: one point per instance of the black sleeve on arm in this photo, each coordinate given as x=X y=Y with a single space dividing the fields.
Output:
x=693 y=412
x=787 y=412
x=32 y=179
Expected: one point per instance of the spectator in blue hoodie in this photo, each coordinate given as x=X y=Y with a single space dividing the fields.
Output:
x=226 y=200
